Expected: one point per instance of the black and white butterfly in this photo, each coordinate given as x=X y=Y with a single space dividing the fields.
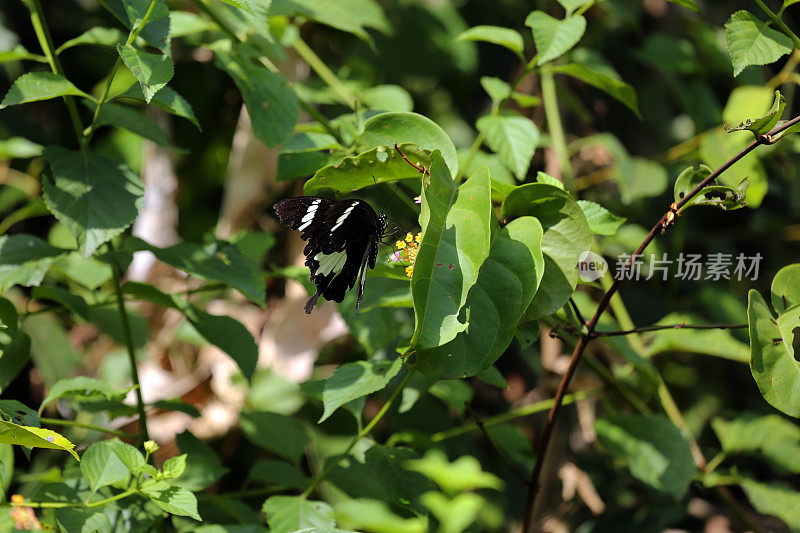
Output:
x=343 y=239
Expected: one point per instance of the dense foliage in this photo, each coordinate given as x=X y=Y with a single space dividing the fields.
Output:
x=157 y=370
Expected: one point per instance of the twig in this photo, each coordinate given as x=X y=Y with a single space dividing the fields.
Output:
x=552 y=416
x=663 y=327
x=419 y=168
x=577 y=311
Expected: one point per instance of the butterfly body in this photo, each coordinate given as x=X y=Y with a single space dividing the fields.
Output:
x=342 y=240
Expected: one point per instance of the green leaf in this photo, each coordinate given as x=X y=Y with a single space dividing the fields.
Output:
x=353 y=16
x=15 y=346
x=68 y=299
x=751 y=42
x=572 y=5
x=554 y=37
x=24 y=260
x=288 y=514
x=786 y=288
x=166 y=99
x=18 y=148
x=717 y=147
x=775 y=499
x=82 y=388
x=640 y=178
x=126 y=118
x=355 y=380
x=547 y=179
x=174 y=466
x=217 y=261
x=20 y=53
x=271 y=103
x=772 y=357
x=566 y=236
x=614 y=87
x=132 y=12
x=459 y=512
x=94 y=197
x=505 y=37
x=101 y=466
x=35 y=437
x=224 y=332
x=506 y=285
x=280 y=434
x=375 y=515
x=203 y=465
x=153 y=71
x=764 y=124
x=715 y=342
x=497 y=89
x=601 y=221
x=456 y=237
x=271 y=472
x=387 y=98
x=513 y=138
x=461 y=475
x=309 y=142
x=185 y=23
x=402 y=127
x=98 y=36
x=239 y=4
x=772 y=436
x=653 y=448
x=176 y=404
x=688 y=4
x=173 y=499
x=40 y=85
x=82 y=520
x=382 y=164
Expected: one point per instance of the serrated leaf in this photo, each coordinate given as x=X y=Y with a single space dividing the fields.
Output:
x=382 y=164
x=654 y=450
x=271 y=103
x=764 y=124
x=280 y=434
x=153 y=71
x=456 y=237
x=505 y=37
x=288 y=514
x=512 y=138
x=751 y=42
x=35 y=437
x=386 y=129
x=25 y=259
x=174 y=466
x=554 y=37
x=82 y=388
x=135 y=122
x=355 y=380
x=566 y=236
x=173 y=499
x=39 y=85
x=98 y=36
x=354 y=16
x=618 y=89
x=601 y=221
x=132 y=12
x=506 y=285
x=547 y=179
x=772 y=357
x=101 y=466
x=166 y=99
x=94 y=197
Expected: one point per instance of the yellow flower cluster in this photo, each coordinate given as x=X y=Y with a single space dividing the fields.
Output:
x=407 y=251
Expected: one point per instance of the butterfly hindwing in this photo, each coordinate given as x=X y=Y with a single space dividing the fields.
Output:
x=342 y=240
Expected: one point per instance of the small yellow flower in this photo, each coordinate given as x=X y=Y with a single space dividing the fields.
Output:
x=17 y=498
x=409 y=237
x=410 y=270
x=400 y=245
x=418 y=237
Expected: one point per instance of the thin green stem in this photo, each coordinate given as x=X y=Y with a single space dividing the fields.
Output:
x=76 y=424
x=326 y=74
x=46 y=42
x=779 y=22
x=60 y=505
x=128 y=336
x=134 y=33
x=554 y=126
x=361 y=434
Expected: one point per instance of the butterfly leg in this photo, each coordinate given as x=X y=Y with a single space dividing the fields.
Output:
x=312 y=302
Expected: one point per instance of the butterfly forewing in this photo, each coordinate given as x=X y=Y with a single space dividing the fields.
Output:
x=342 y=241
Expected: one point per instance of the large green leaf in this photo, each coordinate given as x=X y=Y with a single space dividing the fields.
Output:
x=506 y=284
x=166 y=99
x=11 y=433
x=505 y=37
x=775 y=499
x=772 y=436
x=353 y=16
x=654 y=450
x=772 y=357
x=94 y=197
x=751 y=42
x=785 y=288
x=513 y=138
x=566 y=236
x=288 y=514
x=83 y=520
x=218 y=261
x=600 y=79
x=456 y=237
x=554 y=37
x=102 y=466
x=173 y=499
x=25 y=259
x=271 y=103
x=356 y=380
x=40 y=85
x=83 y=388
x=404 y=127
x=381 y=164
x=280 y=434
x=153 y=71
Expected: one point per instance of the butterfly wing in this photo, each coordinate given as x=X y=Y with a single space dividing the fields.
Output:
x=304 y=213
